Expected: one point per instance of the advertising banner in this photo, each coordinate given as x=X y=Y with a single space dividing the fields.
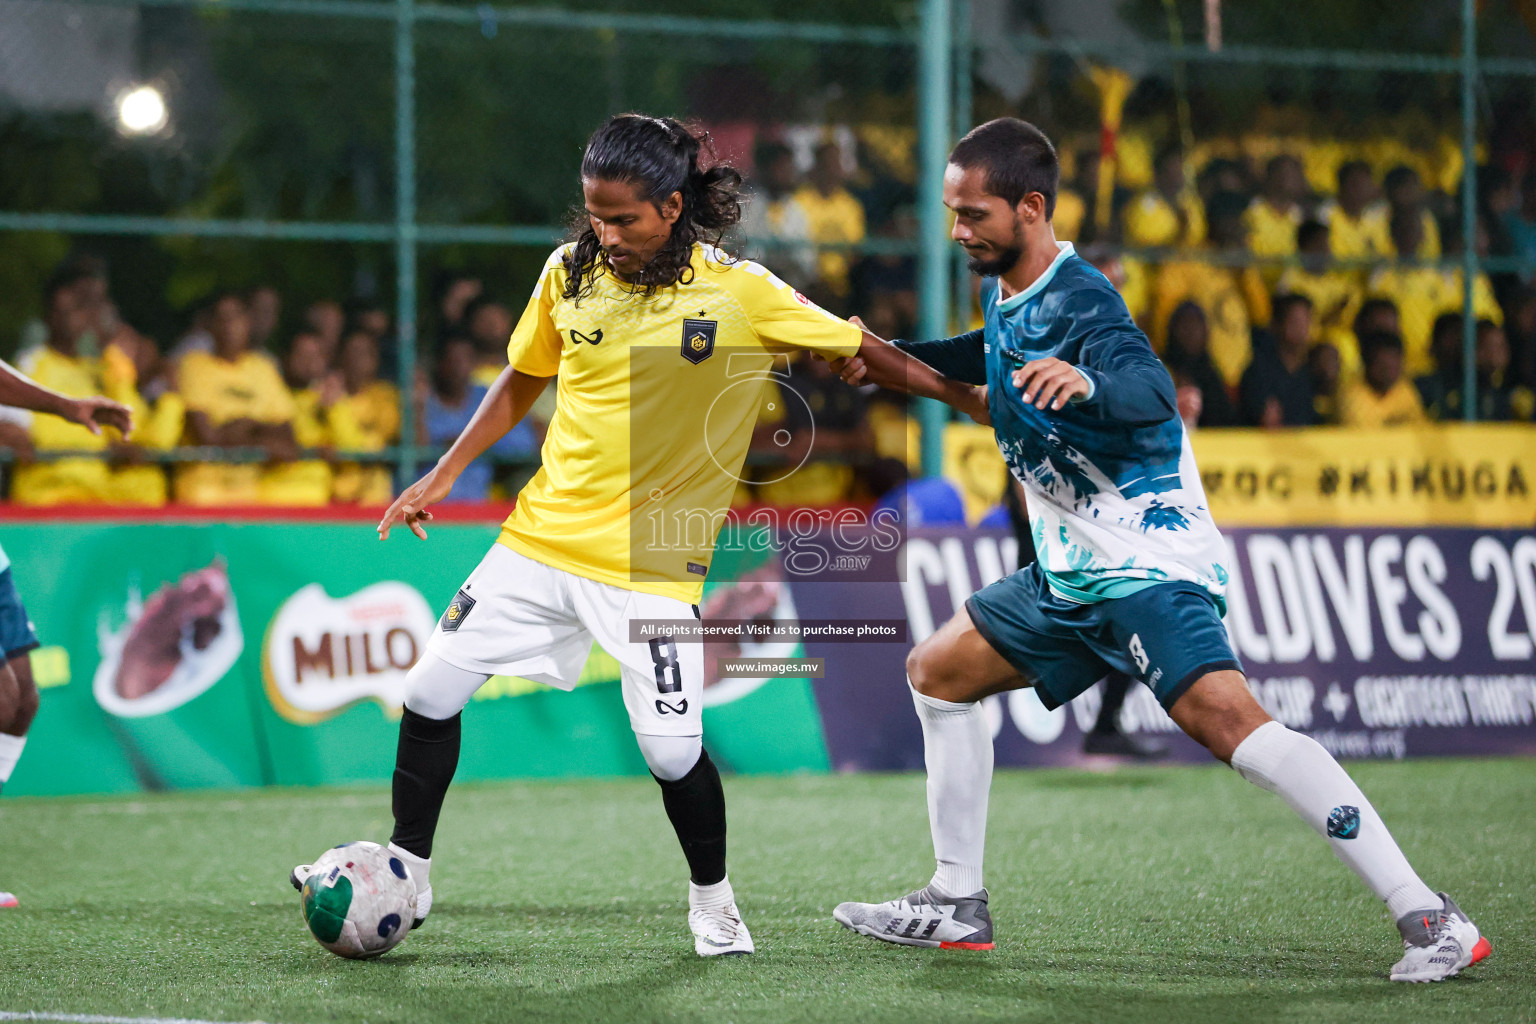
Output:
x=193 y=654
x=1448 y=474
x=1378 y=643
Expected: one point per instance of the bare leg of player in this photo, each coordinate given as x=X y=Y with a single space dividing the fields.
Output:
x=18 y=707
x=950 y=673
x=1220 y=712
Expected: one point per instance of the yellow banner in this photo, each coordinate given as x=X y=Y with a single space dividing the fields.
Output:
x=1474 y=474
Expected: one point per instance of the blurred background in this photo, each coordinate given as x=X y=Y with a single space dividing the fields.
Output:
x=1320 y=215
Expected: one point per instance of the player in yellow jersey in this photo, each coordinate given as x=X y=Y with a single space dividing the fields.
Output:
x=662 y=344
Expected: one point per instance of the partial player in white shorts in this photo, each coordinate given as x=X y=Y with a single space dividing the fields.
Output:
x=516 y=616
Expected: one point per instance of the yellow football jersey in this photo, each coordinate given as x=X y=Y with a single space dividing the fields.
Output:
x=656 y=402
x=1357 y=238
x=1151 y=221
x=247 y=388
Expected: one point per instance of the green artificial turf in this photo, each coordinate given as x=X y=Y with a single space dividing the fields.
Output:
x=1147 y=895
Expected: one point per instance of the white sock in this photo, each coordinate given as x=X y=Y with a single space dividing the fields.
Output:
x=708 y=897
x=10 y=753
x=1308 y=779
x=957 y=748
x=421 y=867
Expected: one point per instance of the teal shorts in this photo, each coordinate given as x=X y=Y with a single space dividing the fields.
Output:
x=16 y=634
x=1166 y=635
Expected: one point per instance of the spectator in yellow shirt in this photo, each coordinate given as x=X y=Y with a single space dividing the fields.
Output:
x=235 y=398
x=1167 y=214
x=1415 y=290
x=327 y=319
x=1376 y=314
x=1233 y=297
x=1422 y=293
x=1405 y=193
x=1485 y=305
x=1336 y=295
x=1382 y=397
x=835 y=217
x=365 y=418
x=1357 y=223
x=1274 y=216
x=131 y=362
x=109 y=475
x=773 y=215
x=307 y=482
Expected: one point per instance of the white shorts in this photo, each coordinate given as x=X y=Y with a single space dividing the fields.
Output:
x=517 y=616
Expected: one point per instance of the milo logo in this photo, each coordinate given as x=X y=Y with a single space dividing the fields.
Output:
x=323 y=654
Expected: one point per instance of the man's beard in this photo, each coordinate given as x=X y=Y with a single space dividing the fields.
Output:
x=1005 y=260
x=998 y=265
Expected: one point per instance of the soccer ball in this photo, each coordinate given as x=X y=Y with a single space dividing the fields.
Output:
x=359 y=900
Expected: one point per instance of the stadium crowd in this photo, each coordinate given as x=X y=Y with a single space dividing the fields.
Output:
x=1281 y=289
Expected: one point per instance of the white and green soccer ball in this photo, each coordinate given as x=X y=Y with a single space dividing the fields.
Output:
x=359 y=900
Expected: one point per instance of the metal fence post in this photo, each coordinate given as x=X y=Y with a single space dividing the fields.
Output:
x=934 y=55
x=964 y=54
x=1469 y=261
x=405 y=232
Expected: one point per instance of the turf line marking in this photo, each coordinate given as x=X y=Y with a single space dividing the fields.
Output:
x=91 y=1018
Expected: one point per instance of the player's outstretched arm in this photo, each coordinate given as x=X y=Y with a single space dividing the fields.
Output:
x=504 y=406
x=880 y=362
x=92 y=413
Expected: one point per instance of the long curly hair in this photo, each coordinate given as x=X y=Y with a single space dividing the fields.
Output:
x=659 y=156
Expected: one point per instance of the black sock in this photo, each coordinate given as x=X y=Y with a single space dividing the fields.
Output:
x=1116 y=685
x=696 y=805
x=425 y=762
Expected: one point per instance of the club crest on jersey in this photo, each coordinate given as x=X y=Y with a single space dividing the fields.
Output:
x=699 y=339
x=458 y=611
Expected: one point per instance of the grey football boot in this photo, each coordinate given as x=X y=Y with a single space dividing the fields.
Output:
x=923 y=918
x=1438 y=943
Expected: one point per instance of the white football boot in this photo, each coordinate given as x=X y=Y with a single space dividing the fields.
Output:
x=717 y=927
x=418 y=866
x=1438 y=943
x=923 y=918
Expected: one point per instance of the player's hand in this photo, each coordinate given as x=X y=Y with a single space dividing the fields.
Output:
x=979 y=411
x=851 y=369
x=95 y=412
x=864 y=327
x=410 y=508
x=1049 y=382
